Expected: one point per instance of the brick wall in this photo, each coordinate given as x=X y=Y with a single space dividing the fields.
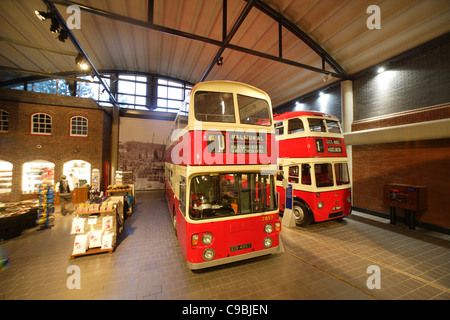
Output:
x=416 y=82
x=413 y=89
x=19 y=146
x=423 y=163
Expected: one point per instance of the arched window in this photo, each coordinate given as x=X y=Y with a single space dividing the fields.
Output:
x=4 y=121
x=78 y=126
x=41 y=123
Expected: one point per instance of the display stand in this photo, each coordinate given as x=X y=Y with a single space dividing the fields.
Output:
x=46 y=207
x=127 y=191
x=95 y=229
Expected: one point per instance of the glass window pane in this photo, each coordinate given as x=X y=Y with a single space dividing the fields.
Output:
x=306 y=174
x=295 y=126
x=324 y=175
x=316 y=125
x=341 y=171
x=253 y=110
x=293 y=174
x=224 y=195
x=141 y=89
x=162 y=92
x=141 y=100
x=175 y=93
x=333 y=126
x=214 y=106
x=123 y=98
x=127 y=87
x=162 y=103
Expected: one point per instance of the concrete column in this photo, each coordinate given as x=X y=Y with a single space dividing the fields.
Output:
x=347 y=105
x=347 y=119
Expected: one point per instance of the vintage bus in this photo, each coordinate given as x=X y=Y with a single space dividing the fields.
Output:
x=220 y=168
x=313 y=162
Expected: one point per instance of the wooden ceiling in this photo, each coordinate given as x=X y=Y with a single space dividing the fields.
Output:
x=182 y=39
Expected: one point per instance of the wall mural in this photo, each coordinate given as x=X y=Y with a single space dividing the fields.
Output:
x=141 y=150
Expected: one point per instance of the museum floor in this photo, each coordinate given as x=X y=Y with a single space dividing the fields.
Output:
x=324 y=261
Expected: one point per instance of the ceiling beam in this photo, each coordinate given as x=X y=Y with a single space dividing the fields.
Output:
x=51 y=7
x=229 y=36
x=339 y=72
x=300 y=34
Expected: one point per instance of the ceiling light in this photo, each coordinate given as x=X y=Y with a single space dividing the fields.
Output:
x=43 y=15
x=219 y=61
x=79 y=61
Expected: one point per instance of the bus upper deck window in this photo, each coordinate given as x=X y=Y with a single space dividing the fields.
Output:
x=214 y=106
x=333 y=126
x=316 y=125
x=295 y=126
x=253 y=110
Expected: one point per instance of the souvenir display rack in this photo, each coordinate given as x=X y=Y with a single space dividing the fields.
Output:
x=127 y=191
x=96 y=227
x=46 y=207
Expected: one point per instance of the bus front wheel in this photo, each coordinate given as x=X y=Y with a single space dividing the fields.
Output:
x=301 y=214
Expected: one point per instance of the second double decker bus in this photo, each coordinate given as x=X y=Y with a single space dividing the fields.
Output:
x=313 y=160
x=220 y=175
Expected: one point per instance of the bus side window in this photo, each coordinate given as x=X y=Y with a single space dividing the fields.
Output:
x=333 y=126
x=182 y=197
x=306 y=174
x=279 y=128
x=316 y=125
x=295 y=126
x=293 y=174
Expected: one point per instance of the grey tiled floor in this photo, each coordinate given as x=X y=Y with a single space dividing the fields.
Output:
x=324 y=261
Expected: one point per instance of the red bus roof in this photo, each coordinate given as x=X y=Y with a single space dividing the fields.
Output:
x=295 y=114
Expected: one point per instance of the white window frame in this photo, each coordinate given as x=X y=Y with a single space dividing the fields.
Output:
x=79 y=129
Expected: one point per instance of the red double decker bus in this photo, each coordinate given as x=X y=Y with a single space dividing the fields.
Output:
x=313 y=159
x=220 y=175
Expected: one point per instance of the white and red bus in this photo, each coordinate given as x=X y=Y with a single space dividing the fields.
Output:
x=313 y=160
x=220 y=168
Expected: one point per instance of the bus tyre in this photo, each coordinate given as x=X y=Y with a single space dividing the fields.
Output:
x=301 y=214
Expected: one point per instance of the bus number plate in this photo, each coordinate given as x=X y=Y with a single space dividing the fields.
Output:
x=240 y=247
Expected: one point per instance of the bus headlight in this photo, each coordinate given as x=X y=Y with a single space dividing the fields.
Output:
x=320 y=205
x=267 y=242
x=268 y=228
x=208 y=254
x=207 y=239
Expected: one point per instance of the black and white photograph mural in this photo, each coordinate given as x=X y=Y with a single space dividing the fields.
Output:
x=141 y=150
